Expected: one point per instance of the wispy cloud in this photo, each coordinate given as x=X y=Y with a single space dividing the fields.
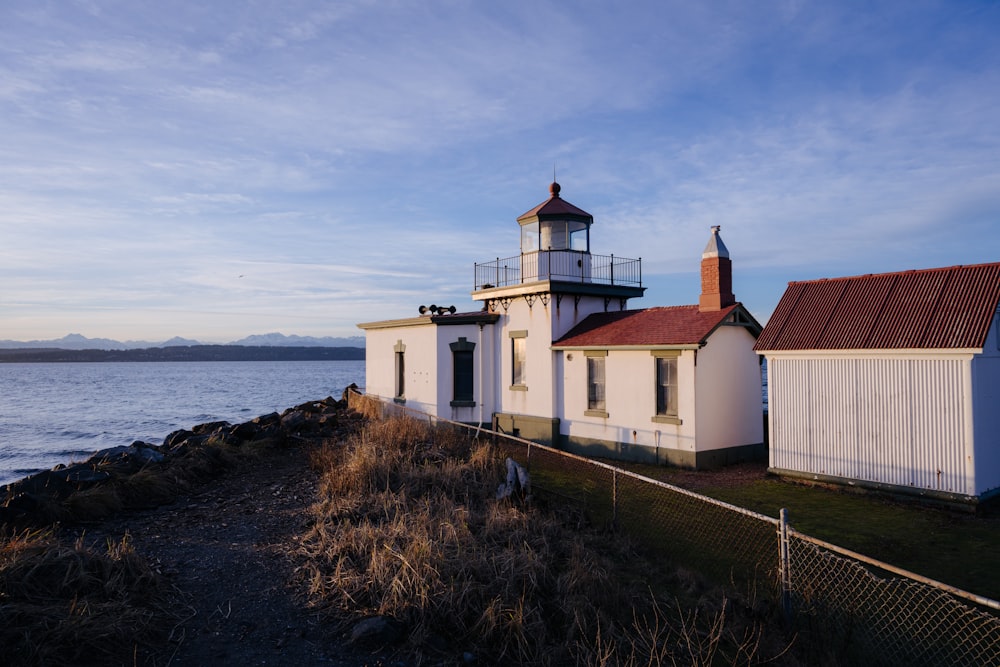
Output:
x=230 y=167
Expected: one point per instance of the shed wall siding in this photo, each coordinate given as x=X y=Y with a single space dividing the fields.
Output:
x=893 y=420
x=986 y=404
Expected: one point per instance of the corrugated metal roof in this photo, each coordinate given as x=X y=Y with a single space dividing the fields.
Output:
x=950 y=307
x=670 y=325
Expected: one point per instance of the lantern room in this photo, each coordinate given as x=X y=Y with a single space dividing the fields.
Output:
x=555 y=224
x=555 y=249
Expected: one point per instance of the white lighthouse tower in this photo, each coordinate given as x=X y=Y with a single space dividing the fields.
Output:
x=539 y=295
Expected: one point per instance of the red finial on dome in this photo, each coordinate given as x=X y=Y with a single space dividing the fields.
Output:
x=554 y=189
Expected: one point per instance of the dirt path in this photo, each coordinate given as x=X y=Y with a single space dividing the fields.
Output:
x=226 y=548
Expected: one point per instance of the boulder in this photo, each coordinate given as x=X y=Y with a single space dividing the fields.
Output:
x=270 y=419
x=293 y=420
x=245 y=431
x=145 y=452
x=177 y=437
x=210 y=427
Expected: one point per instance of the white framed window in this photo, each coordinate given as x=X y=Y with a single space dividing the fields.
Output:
x=596 y=384
x=665 y=386
x=463 y=373
x=400 y=350
x=518 y=359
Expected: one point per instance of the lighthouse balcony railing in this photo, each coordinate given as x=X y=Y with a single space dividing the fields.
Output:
x=560 y=265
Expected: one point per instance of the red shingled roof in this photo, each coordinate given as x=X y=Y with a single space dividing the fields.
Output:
x=554 y=206
x=672 y=325
x=943 y=308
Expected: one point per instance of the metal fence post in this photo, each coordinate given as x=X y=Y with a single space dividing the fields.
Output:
x=784 y=565
x=614 y=498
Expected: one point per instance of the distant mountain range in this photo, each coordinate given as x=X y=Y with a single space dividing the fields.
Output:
x=75 y=341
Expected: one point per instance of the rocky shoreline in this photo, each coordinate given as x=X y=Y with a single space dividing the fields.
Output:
x=190 y=454
x=179 y=553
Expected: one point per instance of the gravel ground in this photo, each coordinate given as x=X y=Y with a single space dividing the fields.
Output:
x=227 y=549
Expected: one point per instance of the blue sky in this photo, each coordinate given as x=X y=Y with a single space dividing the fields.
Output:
x=218 y=169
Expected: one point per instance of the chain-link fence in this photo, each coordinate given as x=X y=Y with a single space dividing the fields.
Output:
x=842 y=603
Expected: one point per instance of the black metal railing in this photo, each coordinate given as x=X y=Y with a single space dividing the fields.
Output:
x=564 y=265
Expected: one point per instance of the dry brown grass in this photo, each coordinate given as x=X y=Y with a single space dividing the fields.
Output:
x=69 y=605
x=408 y=527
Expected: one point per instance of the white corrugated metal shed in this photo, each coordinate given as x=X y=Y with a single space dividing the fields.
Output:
x=889 y=381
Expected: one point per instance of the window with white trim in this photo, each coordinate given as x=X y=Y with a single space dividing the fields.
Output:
x=400 y=350
x=666 y=388
x=596 y=384
x=518 y=359
x=463 y=369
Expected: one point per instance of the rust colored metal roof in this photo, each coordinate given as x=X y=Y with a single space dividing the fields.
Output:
x=946 y=308
x=672 y=325
x=555 y=206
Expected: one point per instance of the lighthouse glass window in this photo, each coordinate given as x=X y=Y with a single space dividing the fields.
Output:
x=529 y=237
x=666 y=386
x=579 y=237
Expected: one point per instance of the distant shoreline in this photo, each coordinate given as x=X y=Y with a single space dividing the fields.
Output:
x=184 y=353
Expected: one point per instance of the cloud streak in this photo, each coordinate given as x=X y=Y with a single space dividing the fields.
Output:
x=352 y=162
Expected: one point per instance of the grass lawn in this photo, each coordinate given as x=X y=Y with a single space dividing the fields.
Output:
x=951 y=547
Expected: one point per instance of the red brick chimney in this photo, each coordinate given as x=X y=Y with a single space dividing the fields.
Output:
x=716 y=275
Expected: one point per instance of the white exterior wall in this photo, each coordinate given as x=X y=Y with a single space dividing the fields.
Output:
x=429 y=367
x=380 y=360
x=537 y=399
x=483 y=365
x=986 y=412
x=630 y=380
x=544 y=323
x=569 y=313
x=421 y=367
x=728 y=405
x=899 y=419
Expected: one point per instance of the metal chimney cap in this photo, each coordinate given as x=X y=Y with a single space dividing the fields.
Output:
x=715 y=247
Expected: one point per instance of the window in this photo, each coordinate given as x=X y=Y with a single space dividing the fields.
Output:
x=400 y=350
x=666 y=387
x=463 y=379
x=596 y=406
x=518 y=356
x=529 y=237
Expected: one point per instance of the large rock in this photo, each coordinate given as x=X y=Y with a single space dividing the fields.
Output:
x=209 y=428
x=176 y=438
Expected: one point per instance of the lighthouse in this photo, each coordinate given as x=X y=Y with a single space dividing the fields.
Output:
x=556 y=262
x=554 y=354
x=552 y=285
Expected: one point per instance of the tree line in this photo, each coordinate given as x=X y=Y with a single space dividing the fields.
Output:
x=185 y=353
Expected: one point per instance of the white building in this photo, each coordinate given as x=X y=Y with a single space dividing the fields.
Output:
x=555 y=356
x=890 y=382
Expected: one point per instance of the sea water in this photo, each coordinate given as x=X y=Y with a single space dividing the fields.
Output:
x=61 y=412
